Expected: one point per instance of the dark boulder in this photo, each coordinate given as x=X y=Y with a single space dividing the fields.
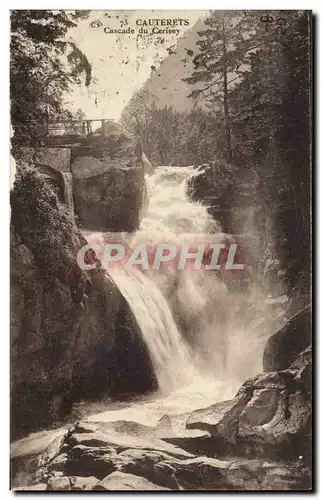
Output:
x=284 y=346
x=108 y=180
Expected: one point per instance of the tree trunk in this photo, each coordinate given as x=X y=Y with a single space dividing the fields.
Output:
x=229 y=154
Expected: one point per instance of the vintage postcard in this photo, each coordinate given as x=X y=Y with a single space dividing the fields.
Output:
x=160 y=247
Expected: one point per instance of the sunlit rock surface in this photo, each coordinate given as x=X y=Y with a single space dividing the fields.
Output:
x=257 y=441
x=269 y=416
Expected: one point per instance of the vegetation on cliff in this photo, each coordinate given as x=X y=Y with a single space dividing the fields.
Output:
x=45 y=226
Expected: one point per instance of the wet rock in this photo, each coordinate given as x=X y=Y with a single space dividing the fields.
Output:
x=204 y=473
x=143 y=463
x=59 y=484
x=260 y=440
x=58 y=464
x=281 y=478
x=87 y=461
x=286 y=344
x=269 y=416
x=303 y=366
x=287 y=417
x=34 y=487
x=120 y=481
x=83 y=483
x=173 y=429
x=220 y=419
x=195 y=473
x=52 y=450
x=106 y=435
x=127 y=455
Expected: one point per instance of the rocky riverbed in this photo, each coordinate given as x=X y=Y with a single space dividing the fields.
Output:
x=259 y=440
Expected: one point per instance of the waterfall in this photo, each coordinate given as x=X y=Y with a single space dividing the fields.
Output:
x=170 y=355
x=192 y=324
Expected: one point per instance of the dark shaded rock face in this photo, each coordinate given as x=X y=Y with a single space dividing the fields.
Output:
x=111 y=200
x=242 y=202
x=101 y=174
x=73 y=334
x=284 y=346
x=228 y=201
x=108 y=180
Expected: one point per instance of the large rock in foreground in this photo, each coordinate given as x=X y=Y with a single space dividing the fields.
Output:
x=259 y=441
x=99 y=456
x=270 y=415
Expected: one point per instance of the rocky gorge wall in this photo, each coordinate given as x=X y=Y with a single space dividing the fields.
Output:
x=102 y=180
x=243 y=203
x=72 y=332
x=74 y=336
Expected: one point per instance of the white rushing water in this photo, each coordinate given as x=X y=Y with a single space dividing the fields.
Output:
x=198 y=333
x=170 y=355
x=204 y=338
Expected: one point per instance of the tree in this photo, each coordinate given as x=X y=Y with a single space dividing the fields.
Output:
x=170 y=137
x=271 y=119
x=224 y=47
x=260 y=76
x=136 y=117
x=43 y=66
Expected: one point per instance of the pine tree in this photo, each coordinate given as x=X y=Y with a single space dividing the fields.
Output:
x=271 y=119
x=224 y=47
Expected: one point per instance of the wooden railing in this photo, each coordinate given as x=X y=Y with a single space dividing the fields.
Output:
x=75 y=127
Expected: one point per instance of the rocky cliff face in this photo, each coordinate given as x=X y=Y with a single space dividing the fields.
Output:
x=109 y=187
x=72 y=332
x=100 y=177
x=108 y=196
x=285 y=345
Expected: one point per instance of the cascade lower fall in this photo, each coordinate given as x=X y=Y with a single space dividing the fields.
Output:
x=203 y=338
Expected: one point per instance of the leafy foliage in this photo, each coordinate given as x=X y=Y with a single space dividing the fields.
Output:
x=261 y=114
x=43 y=66
x=224 y=46
x=43 y=223
x=170 y=137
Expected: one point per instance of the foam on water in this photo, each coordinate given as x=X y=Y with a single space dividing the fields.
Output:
x=192 y=324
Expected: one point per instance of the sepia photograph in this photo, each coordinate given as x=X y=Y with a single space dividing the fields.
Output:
x=161 y=250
